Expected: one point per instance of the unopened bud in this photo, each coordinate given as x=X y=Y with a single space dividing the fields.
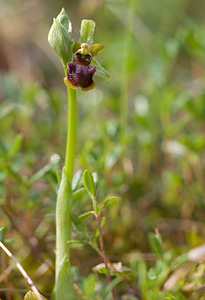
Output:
x=60 y=40
x=64 y=20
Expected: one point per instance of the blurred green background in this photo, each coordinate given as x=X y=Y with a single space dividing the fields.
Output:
x=143 y=131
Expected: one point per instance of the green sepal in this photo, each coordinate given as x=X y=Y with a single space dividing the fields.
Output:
x=64 y=20
x=87 y=31
x=61 y=42
x=76 y=46
x=100 y=70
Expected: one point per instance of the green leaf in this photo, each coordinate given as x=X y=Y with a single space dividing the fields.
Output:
x=110 y=201
x=113 y=156
x=111 y=285
x=103 y=270
x=86 y=215
x=155 y=243
x=60 y=40
x=8 y=109
x=89 y=184
x=76 y=180
x=76 y=242
x=89 y=285
x=11 y=172
x=140 y=269
x=58 y=176
x=46 y=169
x=3 y=147
x=95 y=178
x=179 y=260
x=78 y=224
x=2 y=233
x=78 y=194
x=87 y=31
x=15 y=146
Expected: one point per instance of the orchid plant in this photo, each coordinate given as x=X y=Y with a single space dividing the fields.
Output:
x=77 y=58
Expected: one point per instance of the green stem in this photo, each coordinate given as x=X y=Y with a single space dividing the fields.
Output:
x=63 y=280
x=71 y=133
x=63 y=284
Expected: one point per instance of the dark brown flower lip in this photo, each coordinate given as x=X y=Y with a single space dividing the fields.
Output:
x=80 y=75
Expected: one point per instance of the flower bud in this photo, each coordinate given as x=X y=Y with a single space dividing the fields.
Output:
x=64 y=20
x=60 y=40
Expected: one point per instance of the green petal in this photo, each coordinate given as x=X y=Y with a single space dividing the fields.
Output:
x=96 y=48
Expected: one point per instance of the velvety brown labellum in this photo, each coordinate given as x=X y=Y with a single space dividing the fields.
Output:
x=80 y=75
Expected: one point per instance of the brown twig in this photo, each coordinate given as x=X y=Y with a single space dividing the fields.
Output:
x=98 y=218
x=22 y=271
